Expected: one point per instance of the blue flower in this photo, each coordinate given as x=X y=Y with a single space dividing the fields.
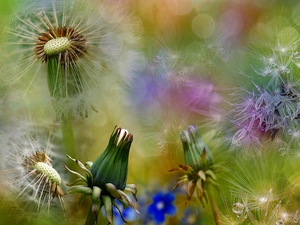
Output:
x=162 y=204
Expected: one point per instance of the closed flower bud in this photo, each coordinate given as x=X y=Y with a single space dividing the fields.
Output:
x=111 y=165
x=105 y=181
x=199 y=169
x=195 y=149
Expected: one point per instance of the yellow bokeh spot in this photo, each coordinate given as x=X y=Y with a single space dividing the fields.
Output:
x=203 y=25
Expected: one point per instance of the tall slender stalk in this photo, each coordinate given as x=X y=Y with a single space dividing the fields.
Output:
x=91 y=219
x=60 y=89
x=214 y=208
x=68 y=138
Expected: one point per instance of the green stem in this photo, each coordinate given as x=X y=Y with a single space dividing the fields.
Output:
x=214 y=208
x=91 y=218
x=57 y=84
x=68 y=138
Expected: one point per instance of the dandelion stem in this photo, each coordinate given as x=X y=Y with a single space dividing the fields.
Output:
x=68 y=137
x=91 y=218
x=214 y=208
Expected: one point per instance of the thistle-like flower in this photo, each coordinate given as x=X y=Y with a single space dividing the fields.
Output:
x=199 y=169
x=265 y=114
x=75 y=42
x=29 y=171
x=105 y=181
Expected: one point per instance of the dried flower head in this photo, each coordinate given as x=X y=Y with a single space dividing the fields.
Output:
x=105 y=181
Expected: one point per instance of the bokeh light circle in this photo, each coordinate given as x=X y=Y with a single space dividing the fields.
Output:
x=203 y=25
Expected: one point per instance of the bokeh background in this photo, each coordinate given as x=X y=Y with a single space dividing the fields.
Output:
x=194 y=56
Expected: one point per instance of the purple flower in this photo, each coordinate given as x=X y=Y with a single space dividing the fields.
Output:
x=174 y=90
x=162 y=204
x=192 y=94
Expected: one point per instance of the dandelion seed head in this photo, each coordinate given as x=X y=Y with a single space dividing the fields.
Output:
x=31 y=178
x=66 y=43
x=85 y=45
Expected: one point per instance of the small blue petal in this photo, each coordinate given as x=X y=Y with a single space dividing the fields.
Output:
x=159 y=217
x=157 y=197
x=171 y=210
x=152 y=209
x=169 y=197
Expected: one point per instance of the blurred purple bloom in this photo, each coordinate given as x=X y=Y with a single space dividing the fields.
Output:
x=263 y=112
x=162 y=204
x=193 y=94
x=147 y=90
x=183 y=93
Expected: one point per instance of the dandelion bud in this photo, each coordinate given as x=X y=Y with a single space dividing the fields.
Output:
x=106 y=179
x=199 y=171
x=111 y=165
x=195 y=149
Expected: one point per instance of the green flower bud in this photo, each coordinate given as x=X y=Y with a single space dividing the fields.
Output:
x=196 y=153
x=105 y=181
x=199 y=169
x=112 y=165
